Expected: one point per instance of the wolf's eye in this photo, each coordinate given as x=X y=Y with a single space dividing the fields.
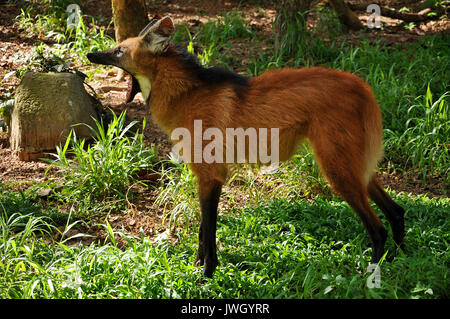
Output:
x=118 y=51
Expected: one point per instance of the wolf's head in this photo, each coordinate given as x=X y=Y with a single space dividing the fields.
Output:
x=135 y=55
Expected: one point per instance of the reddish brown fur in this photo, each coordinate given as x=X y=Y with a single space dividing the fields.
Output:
x=335 y=110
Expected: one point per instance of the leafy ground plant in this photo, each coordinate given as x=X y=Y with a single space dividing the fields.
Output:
x=106 y=168
x=76 y=38
x=178 y=194
x=426 y=140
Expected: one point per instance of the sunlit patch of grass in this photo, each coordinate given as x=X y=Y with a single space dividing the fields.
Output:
x=178 y=194
x=107 y=168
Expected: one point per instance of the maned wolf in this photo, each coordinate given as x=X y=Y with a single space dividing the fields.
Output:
x=336 y=111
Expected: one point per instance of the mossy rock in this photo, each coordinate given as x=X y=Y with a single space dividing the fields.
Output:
x=46 y=108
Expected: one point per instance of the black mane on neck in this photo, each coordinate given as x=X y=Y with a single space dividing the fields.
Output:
x=213 y=75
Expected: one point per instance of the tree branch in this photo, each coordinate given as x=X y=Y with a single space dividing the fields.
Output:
x=346 y=15
x=390 y=13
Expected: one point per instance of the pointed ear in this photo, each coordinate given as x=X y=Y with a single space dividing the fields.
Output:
x=166 y=27
x=151 y=23
x=157 y=35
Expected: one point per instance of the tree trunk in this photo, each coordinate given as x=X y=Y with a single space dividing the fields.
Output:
x=288 y=14
x=346 y=15
x=130 y=17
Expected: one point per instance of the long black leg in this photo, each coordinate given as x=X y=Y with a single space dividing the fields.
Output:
x=209 y=200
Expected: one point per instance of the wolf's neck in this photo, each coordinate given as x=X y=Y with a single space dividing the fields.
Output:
x=169 y=97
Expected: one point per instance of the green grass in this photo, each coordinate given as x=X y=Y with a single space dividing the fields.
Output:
x=49 y=19
x=277 y=249
x=212 y=41
x=425 y=142
x=178 y=194
x=106 y=169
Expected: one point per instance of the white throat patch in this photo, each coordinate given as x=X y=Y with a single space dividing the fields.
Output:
x=146 y=86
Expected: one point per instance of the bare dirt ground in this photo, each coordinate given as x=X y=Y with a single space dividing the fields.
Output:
x=143 y=215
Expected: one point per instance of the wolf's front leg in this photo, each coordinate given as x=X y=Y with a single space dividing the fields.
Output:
x=209 y=192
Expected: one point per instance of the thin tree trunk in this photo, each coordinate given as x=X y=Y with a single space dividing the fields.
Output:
x=130 y=17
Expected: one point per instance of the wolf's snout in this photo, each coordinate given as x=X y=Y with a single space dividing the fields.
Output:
x=90 y=56
x=106 y=57
x=94 y=57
